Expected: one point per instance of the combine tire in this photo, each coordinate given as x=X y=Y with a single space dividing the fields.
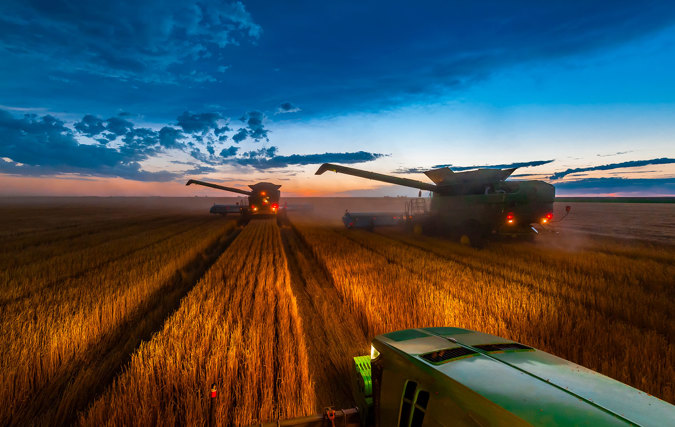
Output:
x=472 y=235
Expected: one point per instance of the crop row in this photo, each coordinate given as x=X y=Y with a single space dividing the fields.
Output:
x=600 y=308
x=57 y=312
x=240 y=329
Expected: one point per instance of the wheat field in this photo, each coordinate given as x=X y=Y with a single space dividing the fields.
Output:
x=126 y=317
x=76 y=300
x=240 y=329
x=607 y=306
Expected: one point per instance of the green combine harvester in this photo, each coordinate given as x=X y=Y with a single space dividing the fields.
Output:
x=456 y=377
x=472 y=205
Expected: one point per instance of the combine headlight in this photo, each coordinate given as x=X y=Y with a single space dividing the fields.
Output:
x=510 y=218
x=373 y=353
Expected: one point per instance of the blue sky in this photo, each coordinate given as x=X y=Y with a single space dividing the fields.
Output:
x=132 y=98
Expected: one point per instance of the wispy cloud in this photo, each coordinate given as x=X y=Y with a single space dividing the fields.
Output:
x=125 y=39
x=269 y=160
x=629 y=164
x=37 y=146
x=661 y=186
x=499 y=166
x=287 y=107
x=464 y=168
x=618 y=153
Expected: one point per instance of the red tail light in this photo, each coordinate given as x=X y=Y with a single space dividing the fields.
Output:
x=549 y=216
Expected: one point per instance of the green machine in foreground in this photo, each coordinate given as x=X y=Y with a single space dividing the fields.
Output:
x=447 y=376
x=472 y=204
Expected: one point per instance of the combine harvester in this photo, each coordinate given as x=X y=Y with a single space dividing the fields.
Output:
x=262 y=201
x=456 y=377
x=472 y=205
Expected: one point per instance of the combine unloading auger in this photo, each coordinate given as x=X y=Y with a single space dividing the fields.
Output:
x=219 y=187
x=376 y=176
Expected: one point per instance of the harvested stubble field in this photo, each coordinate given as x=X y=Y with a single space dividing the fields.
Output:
x=275 y=320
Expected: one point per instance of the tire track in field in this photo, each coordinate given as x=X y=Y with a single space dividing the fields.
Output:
x=84 y=379
x=52 y=236
x=127 y=231
x=30 y=293
x=330 y=329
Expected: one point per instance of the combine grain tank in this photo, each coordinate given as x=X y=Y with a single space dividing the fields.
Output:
x=448 y=376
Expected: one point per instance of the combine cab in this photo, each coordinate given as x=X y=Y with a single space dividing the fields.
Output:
x=457 y=377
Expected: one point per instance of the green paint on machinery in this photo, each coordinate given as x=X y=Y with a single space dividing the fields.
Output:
x=453 y=376
x=445 y=376
x=472 y=204
x=362 y=387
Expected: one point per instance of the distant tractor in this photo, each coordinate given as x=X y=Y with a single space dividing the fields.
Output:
x=263 y=199
x=471 y=205
x=446 y=376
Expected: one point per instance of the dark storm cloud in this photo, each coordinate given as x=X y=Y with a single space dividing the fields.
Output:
x=618 y=185
x=630 y=164
x=267 y=159
x=287 y=107
x=40 y=146
x=125 y=39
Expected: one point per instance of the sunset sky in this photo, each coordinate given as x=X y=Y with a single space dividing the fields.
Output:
x=132 y=98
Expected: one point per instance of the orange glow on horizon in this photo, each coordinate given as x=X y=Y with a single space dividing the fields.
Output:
x=75 y=186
